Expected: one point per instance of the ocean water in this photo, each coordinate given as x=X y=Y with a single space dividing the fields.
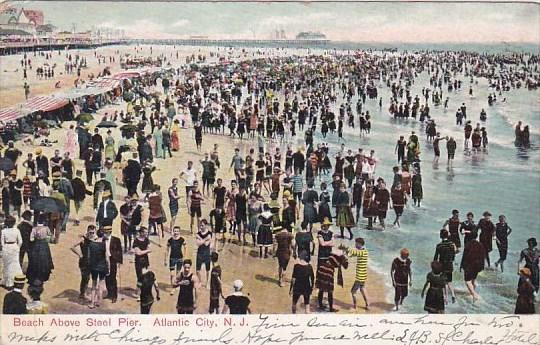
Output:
x=504 y=180
x=492 y=48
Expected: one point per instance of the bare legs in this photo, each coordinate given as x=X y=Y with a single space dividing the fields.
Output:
x=96 y=295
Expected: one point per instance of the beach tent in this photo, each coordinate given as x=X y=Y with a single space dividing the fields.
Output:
x=43 y=103
x=126 y=75
x=10 y=114
x=106 y=84
x=78 y=93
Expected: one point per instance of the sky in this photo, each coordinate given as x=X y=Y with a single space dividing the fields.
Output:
x=340 y=21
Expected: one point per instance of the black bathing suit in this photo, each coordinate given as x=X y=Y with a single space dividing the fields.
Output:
x=185 y=301
x=436 y=148
x=453 y=229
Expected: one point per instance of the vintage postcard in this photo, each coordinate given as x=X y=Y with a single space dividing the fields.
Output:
x=326 y=172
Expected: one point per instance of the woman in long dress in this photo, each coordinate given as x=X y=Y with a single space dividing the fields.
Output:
x=158 y=137
x=11 y=244
x=264 y=231
x=110 y=152
x=70 y=145
x=324 y=203
x=111 y=176
x=175 y=141
x=148 y=181
x=254 y=210
x=40 y=263
x=345 y=218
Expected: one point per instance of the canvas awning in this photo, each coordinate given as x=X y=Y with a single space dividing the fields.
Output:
x=43 y=103
x=126 y=75
x=10 y=114
x=106 y=84
x=77 y=93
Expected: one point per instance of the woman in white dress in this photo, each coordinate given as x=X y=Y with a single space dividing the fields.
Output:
x=71 y=143
x=11 y=243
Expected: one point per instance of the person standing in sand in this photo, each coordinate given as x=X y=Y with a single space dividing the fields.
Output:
x=325 y=278
x=70 y=145
x=188 y=284
x=303 y=281
x=175 y=253
x=26 y=88
x=11 y=242
x=175 y=138
x=173 y=201
x=204 y=248
x=285 y=244
x=361 y=273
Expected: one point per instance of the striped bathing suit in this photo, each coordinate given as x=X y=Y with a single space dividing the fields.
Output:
x=361 y=263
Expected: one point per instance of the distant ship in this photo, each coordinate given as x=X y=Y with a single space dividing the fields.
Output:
x=310 y=35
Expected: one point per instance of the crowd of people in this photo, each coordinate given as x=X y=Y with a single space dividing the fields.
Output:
x=284 y=199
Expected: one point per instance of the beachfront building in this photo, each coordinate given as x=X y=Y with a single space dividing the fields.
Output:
x=12 y=18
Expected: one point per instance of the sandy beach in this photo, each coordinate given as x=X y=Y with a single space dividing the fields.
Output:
x=238 y=262
x=11 y=76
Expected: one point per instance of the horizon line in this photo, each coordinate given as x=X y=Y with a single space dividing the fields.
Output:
x=334 y=41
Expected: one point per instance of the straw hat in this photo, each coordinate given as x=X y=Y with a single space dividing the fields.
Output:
x=56 y=174
x=525 y=272
x=326 y=221
x=19 y=279
x=13 y=172
x=39 y=151
x=107 y=228
x=106 y=193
